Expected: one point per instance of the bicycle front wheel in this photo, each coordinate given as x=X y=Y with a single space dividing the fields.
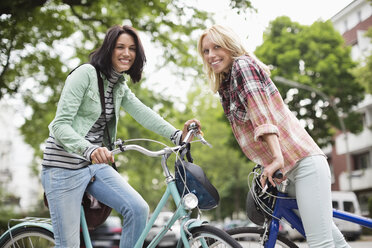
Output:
x=251 y=237
x=27 y=237
x=209 y=236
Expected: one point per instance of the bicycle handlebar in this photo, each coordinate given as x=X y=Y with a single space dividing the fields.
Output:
x=193 y=128
x=166 y=150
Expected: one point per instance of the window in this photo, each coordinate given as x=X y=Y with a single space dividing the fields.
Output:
x=335 y=204
x=359 y=16
x=333 y=178
x=349 y=207
x=345 y=26
x=362 y=161
x=368 y=117
x=363 y=202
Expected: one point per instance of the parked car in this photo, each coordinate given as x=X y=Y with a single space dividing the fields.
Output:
x=171 y=237
x=238 y=223
x=348 y=202
x=108 y=234
x=344 y=201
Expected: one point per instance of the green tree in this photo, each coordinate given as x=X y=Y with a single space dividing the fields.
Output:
x=315 y=56
x=34 y=65
x=33 y=32
x=363 y=73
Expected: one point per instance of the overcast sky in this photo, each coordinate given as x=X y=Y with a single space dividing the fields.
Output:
x=253 y=24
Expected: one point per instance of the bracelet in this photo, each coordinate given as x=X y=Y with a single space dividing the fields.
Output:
x=176 y=137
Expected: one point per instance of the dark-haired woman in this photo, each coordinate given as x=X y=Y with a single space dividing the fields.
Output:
x=75 y=150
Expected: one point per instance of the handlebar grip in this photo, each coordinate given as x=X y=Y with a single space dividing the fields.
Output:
x=192 y=126
x=278 y=174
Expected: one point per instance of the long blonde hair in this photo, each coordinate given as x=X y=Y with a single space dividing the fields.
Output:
x=225 y=38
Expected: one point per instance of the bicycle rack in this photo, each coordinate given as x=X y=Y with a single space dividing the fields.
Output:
x=26 y=220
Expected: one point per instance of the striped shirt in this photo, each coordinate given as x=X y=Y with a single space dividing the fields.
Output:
x=55 y=155
x=254 y=107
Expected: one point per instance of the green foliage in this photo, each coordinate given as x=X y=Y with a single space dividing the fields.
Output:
x=241 y=6
x=34 y=40
x=363 y=73
x=41 y=41
x=316 y=57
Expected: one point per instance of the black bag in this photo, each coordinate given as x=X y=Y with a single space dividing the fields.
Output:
x=94 y=216
x=196 y=182
x=259 y=207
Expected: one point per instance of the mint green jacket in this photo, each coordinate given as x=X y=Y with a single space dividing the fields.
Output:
x=79 y=108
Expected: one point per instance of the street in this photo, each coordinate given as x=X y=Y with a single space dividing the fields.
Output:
x=364 y=242
x=354 y=244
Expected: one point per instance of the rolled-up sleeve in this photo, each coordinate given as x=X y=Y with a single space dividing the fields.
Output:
x=259 y=96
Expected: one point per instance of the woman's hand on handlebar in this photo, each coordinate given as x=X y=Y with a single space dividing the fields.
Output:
x=102 y=155
x=269 y=171
x=186 y=128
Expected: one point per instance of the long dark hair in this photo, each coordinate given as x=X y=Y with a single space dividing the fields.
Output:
x=101 y=58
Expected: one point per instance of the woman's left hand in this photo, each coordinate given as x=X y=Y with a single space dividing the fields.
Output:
x=269 y=171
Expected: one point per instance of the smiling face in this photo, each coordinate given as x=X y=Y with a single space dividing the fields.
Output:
x=124 y=53
x=217 y=57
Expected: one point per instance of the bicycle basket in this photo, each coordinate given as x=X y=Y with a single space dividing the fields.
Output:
x=260 y=205
x=196 y=183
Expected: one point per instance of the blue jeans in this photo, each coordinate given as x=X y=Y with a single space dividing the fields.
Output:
x=65 y=188
x=310 y=183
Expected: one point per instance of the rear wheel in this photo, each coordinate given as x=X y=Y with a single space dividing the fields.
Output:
x=209 y=236
x=27 y=237
x=252 y=237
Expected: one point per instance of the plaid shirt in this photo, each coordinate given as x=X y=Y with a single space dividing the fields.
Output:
x=254 y=107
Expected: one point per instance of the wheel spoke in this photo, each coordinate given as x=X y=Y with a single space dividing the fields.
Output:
x=28 y=237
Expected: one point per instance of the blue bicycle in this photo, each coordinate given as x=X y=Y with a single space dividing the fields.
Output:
x=267 y=207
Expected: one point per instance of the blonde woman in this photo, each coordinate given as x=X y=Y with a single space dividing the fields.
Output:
x=268 y=133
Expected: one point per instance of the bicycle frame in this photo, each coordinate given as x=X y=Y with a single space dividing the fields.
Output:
x=284 y=208
x=180 y=213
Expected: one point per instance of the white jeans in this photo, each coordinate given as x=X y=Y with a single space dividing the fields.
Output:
x=310 y=183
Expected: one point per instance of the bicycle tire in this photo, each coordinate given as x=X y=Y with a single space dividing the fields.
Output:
x=250 y=237
x=28 y=236
x=213 y=237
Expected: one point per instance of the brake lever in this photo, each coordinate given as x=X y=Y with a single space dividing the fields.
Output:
x=202 y=140
x=277 y=174
x=193 y=127
x=120 y=144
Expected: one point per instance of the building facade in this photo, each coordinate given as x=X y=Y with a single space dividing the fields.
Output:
x=352 y=22
x=19 y=187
